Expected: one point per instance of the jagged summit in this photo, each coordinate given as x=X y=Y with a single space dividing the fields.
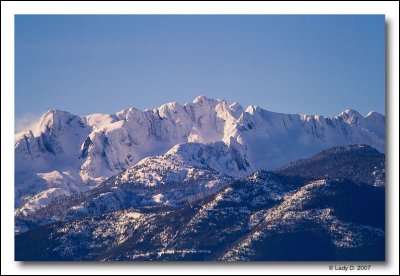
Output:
x=56 y=114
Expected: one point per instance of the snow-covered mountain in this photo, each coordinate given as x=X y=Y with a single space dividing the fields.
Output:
x=67 y=154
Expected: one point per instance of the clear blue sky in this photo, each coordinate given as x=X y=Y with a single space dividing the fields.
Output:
x=292 y=64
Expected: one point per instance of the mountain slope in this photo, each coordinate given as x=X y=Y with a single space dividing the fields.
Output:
x=224 y=227
x=361 y=163
x=324 y=220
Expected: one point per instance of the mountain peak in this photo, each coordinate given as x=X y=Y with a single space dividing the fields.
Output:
x=55 y=114
x=252 y=109
x=205 y=100
x=351 y=112
x=373 y=114
x=201 y=99
x=236 y=109
x=351 y=116
x=235 y=105
x=170 y=105
x=54 y=118
x=54 y=111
